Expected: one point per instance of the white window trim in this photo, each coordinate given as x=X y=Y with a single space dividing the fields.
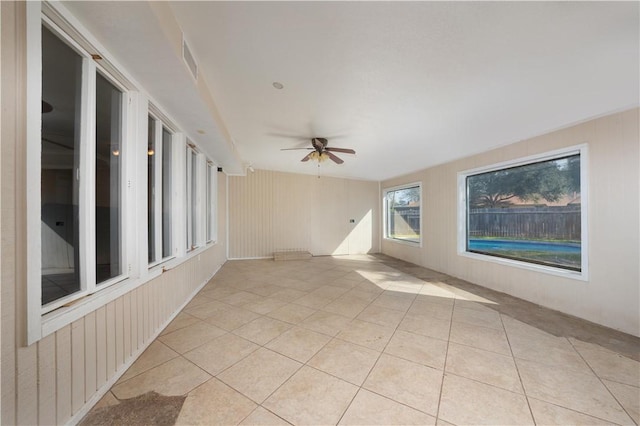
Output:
x=158 y=188
x=161 y=124
x=195 y=208
x=385 y=235
x=201 y=208
x=582 y=149
x=127 y=151
x=213 y=193
x=86 y=175
x=134 y=241
x=189 y=150
x=179 y=194
x=34 y=150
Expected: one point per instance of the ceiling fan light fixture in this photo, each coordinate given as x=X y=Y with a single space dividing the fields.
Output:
x=321 y=152
x=320 y=157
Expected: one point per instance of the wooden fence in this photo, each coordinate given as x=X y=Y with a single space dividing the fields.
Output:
x=405 y=220
x=561 y=223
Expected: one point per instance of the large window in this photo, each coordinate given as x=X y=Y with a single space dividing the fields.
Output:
x=108 y=180
x=81 y=173
x=530 y=211
x=159 y=150
x=60 y=144
x=192 y=190
x=402 y=216
x=167 y=188
x=86 y=153
x=210 y=217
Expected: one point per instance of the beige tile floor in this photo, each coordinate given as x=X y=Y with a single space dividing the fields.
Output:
x=373 y=340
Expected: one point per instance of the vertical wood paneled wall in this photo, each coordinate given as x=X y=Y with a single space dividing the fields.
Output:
x=59 y=374
x=611 y=296
x=65 y=372
x=271 y=211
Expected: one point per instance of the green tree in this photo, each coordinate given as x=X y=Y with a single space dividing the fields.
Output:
x=403 y=196
x=409 y=195
x=548 y=180
x=573 y=173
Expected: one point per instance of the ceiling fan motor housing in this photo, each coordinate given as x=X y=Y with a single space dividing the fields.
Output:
x=319 y=144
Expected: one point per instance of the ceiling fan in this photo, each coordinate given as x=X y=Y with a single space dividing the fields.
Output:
x=321 y=151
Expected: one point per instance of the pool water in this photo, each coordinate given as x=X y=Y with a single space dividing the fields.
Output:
x=515 y=245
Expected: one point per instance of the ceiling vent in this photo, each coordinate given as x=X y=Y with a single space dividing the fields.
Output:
x=189 y=59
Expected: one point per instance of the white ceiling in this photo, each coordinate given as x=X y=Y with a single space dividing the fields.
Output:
x=407 y=85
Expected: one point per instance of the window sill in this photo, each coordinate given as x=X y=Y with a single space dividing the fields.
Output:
x=404 y=242
x=564 y=273
x=55 y=320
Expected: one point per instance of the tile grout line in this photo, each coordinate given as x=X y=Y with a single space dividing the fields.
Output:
x=332 y=338
x=513 y=357
x=260 y=345
x=263 y=346
x=379 y=355
x=446 y=356
x=305 y=364
x=374 y=364
x=239 y=360
x=601 y=382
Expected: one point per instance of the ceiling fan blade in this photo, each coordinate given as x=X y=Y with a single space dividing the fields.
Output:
x=332 y=137
x=345 y=150
x=294 y=149
x=335 y=158
x=307 y=157
x=296 y=137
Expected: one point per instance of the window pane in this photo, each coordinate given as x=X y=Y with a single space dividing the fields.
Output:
x=530 y=213
x=108 y=175
x=209 y=177
x=403 y=214
x=151 y=189
x=194 y=197
x=61 y=92
x=166 y=193
x=189 y=198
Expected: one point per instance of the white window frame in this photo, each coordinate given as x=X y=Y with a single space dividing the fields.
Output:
x=385 y=229
x=126 y=151
x=190 y=206
x=582 y=149
x=212 y=207
x=86 y=174
x=42 y=322
x=160 y=125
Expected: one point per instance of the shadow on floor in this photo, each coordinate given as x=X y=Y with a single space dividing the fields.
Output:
x=548 y=320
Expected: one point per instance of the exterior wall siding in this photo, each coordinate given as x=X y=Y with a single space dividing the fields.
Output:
x=57 y=379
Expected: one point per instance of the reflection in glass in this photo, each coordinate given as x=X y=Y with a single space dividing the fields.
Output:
x=194 y=197
x=530 y=213
x=403 y=214
x=166 y=192
x=209 y=178
x=188 y=192
x=61 y=93
x=151 y=188
x=108 y=176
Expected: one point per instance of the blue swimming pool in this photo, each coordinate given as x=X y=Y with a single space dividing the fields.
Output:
x=498 y=245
